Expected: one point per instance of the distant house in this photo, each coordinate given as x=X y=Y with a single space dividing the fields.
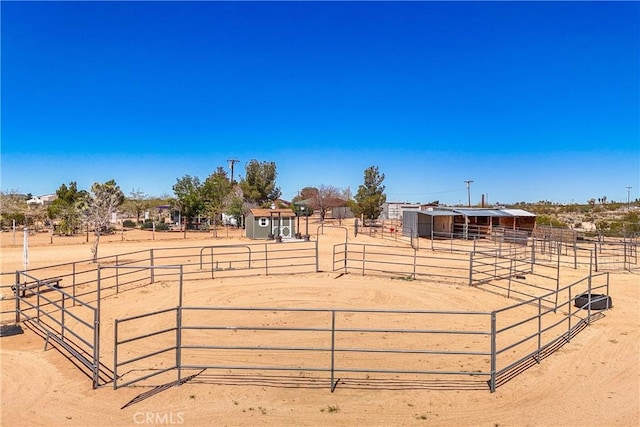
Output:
x=261 y=223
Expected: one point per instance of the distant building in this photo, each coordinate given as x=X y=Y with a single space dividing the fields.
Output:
x=261 y=223
x=465 y=222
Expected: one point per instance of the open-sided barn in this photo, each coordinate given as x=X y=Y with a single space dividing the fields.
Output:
x=465 y=222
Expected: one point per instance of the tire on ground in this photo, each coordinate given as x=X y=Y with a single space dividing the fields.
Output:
x=593 y=301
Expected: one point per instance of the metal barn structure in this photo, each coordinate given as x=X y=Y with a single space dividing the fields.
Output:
x=465 y=222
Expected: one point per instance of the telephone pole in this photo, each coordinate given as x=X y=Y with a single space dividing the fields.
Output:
x=468 y=182
x=628 y=199
x=231 y=163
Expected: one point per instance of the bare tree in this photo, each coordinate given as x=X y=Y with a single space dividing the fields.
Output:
x=99 y=206
x=326 y=198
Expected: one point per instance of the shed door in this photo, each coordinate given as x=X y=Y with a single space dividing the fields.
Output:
x=286 y=230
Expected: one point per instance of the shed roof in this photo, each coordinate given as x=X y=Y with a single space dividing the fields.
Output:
x=263 y=212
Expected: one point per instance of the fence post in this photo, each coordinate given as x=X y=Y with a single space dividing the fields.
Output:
x=179 y=342
x=570 y=314
x=333 y=347
x=266 y=261
x=492 y=380
x=117 y=275
x=62 y=317
x=115 y=354
x=575 y=256
x=364 y=248
x=595 y=251
x=151 y=270
x=539 y=329
x=73 y=289
x=415 y=260
x=17 y=296
x=471 y=268
x=533 y=253
x=96 y=335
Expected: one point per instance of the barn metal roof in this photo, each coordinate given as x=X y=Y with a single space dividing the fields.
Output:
x=478 y=212
x=518 y=212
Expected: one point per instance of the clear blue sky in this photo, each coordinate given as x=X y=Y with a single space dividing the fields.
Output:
x=531 y=101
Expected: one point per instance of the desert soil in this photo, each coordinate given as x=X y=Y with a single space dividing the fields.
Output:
x=592 y=381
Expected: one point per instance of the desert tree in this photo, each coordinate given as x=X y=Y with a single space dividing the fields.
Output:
x=370 y=196
x=67 y=208
x=215 y=193
x=189 y=201
x=137 y=203
x=259 y=183
x=98 y=208
x=12 y=207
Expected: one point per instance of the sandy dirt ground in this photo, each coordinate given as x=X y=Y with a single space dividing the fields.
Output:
x=592 y=381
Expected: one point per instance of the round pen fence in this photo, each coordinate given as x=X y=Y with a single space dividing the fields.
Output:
x=324 y=346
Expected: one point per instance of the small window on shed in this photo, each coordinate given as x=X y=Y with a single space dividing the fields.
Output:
x=263 y=222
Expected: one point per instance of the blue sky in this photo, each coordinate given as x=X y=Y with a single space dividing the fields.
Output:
x=531 y=101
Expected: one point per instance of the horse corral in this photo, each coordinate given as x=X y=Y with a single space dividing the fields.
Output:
x=281 y=314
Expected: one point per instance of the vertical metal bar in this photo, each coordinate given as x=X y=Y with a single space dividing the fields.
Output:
x=533 y=253
x=266 y=261
x=38 y=302
x=539 y=329
x=151 y=263
x=62 y=318
x=415 y=260
x=557 y=278
x=117 y=275
x=96 y=334
x=471 y=268
x=510 y=275
x=595 y=251
x=115 y=354
x=317 y=258
x=570 y=314
x=333 y=347
x=73 y=284
x=17 y=296
x=179 y=342
x=492 y=381
x=346 y=251
x=212 y=263
x=364 y=248
x=575 y=256
x=589 y=299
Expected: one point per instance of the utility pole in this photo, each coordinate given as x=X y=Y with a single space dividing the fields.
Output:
x=231 y=163
x=628 y=199
x=468 y=182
